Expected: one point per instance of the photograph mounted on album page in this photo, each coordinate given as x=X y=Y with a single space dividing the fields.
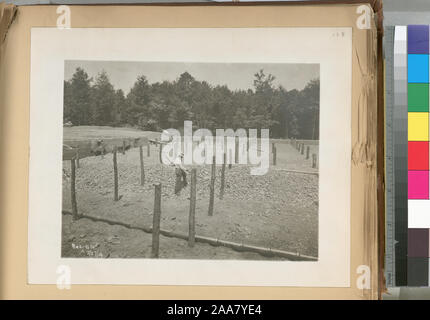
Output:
x=190 y=100
x=185 y=154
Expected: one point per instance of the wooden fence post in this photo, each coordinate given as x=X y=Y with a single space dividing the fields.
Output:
x=236 y=151
x=307 y=152
x=192 y=216
x=142 y=168
x=161 y=151
x=314 y=160
x=230 y=163
x=148 y=150
x=73 y=189
x=221 y=191
x=274 y=154
x=212 y=189
x=115 y=174
x=178 y=180
x=77 y=159
x=156 y=221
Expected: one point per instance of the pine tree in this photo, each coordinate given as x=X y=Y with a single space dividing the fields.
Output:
x=103 y=100
x=77 y=98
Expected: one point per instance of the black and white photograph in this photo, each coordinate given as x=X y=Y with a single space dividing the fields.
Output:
x=183 y=160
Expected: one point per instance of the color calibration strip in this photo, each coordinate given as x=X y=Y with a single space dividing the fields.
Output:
x=397 y=161
x=418 y=251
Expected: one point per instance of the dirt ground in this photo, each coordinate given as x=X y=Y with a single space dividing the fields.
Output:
x=278 y=210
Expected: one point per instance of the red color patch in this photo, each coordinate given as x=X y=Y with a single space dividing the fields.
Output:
x=418 y=155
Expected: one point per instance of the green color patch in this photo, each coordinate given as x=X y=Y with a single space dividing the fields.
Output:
x=418 y=97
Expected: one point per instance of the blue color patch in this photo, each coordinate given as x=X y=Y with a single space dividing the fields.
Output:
x=418 y=68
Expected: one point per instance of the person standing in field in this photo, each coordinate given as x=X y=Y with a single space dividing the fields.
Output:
x=181 y=173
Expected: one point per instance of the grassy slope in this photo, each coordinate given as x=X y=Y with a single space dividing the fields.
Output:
x=95 y=132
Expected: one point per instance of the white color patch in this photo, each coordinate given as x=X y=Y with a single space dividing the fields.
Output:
x=418 y=213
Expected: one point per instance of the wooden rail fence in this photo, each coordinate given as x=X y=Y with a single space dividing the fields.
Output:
x=75 y=150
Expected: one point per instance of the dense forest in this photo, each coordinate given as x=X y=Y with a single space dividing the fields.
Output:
x=157 y=106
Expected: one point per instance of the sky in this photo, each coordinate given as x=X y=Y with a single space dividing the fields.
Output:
x=123 y=74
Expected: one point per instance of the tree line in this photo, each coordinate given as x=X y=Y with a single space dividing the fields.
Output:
x=167 y=104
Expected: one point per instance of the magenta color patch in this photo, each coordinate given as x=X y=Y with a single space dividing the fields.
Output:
x=418 y=184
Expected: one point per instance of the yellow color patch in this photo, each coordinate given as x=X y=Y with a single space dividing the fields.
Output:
x=418 y=126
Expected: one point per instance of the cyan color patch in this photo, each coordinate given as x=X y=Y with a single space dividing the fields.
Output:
x=418 y=68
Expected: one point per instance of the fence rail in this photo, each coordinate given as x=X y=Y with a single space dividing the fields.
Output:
x=78 y=149
x=240 y=247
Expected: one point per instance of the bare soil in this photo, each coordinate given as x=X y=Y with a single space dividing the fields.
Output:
x=278 y=210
